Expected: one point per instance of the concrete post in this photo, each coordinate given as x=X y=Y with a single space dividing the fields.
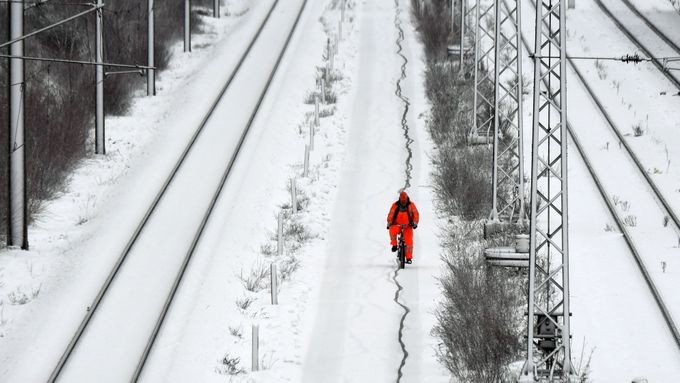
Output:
x=187 y=25
x=279 y=241
x=100 y=136
x=255 y=348
x=274 y=284
x=293 y=195
x=17 y=234
x=150 y=73
x=306 y=165
x=316 y=110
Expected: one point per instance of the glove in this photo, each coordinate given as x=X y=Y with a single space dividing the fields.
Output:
x=414 y=225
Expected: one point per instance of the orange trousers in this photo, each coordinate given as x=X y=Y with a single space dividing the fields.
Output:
x=408 y=238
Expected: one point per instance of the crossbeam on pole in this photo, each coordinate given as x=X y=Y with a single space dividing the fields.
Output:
x=548 y=345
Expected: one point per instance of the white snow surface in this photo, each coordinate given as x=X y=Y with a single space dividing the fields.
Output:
x=614 y=315
x=74 y=243
x=336 y=319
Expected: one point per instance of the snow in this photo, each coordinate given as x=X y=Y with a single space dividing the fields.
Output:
x=614 y=316
x=336 y=319
x=340 y=301
x=73 y=242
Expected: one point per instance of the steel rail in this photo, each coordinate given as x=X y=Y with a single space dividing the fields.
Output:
x=213 y=203
x=658 y=63
x=651 y=26
x=128 y=247
x=627 y=238
x=657 y=193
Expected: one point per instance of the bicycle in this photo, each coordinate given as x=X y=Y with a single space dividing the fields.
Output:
x=401 y=248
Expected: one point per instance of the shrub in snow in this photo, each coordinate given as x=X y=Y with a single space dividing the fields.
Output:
x=630 y=220
x=59 y=106
x=476 y=322
x=464 y=187
x=230 y=366
x=255 y=280
x=236 y=331
x=244 y=303
x=601 y=70
x=637 y=130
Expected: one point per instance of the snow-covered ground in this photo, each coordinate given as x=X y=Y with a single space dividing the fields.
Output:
x=337 y=318
x=45 y=292
x=609 y=296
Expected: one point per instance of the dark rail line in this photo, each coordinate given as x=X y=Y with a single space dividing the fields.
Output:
x=610 y=206
x=140 y=227
x=657 y=63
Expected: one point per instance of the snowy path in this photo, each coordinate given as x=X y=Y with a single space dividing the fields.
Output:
x=355 y=335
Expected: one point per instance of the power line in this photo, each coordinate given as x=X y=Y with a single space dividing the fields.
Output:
x=20 y=38
x=81 y=62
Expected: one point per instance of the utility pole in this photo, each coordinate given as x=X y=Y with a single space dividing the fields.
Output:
x=461 y=58
x=187 y=25
x=17 y=233
x=548 y=330
x=100 y=138
x=150 y=73
x=508 y=161
x=482 y=131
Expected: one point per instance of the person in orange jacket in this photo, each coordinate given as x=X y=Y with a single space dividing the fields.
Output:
x=403 y=215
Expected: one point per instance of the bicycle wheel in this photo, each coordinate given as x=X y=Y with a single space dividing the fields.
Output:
x=402 y=255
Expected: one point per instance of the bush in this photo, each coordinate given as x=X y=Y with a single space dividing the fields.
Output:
x=462 y=185
x=477 y=321
x=59 y=105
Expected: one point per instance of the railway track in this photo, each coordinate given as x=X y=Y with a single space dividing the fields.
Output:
x=671 y=49
x=166 y=296
x=652 y=187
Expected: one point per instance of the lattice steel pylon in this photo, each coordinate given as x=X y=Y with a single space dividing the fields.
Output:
x=508 y=157
x=463 y=15
x=483 y=118
x=548 y=332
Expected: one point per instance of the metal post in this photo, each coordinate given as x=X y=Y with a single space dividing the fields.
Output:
x=100 y=136
x=150 y=73
x=255 y=348
x=484 y=80
x=316 y=110
x=279 y=236
x=311 y=136
x=340 y=30
x=508 y=162
x=323 y=91
x=17 y=233
x=216 y=9
x=496 y=107
x=187 y=25
x=274 y=284
x=342 y=11
x=453 y=15
x=548 y=296
x=306 y=164
x=293 y=195
x=461 y=59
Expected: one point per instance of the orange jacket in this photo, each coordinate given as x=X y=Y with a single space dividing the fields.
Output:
x=400 y=215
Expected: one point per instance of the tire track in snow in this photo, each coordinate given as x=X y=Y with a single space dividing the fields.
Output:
x=407 y=183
